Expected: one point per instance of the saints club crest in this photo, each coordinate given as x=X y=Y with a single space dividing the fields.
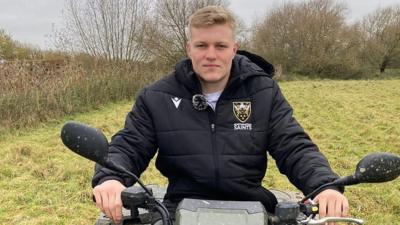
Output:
x=242 y=110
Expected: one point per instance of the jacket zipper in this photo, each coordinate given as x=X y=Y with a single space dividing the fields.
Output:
x=212 y=118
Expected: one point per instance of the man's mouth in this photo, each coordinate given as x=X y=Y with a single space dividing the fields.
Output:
x=211 y=65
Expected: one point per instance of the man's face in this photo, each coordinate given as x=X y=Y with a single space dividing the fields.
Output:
x=211 y=50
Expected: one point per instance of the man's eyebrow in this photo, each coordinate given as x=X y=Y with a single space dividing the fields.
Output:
x=205 y=42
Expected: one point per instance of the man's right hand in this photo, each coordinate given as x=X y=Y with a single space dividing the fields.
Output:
x=108 y=199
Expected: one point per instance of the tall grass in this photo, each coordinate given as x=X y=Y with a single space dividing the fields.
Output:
x=37 y=91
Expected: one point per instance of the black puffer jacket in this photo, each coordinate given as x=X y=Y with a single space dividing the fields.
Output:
x=221 y=154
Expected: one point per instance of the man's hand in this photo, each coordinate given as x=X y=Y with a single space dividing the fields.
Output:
x=332 y=203
x=108 y=199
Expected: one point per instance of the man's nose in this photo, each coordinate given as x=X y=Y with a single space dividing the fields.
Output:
x=211 y=54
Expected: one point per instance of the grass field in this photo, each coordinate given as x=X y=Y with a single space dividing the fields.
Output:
x=41 y=182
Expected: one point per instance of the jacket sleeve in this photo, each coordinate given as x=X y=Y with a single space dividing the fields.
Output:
x=295 y=154
x=132 y=147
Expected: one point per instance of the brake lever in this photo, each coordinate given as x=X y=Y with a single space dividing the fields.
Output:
x=325 y=220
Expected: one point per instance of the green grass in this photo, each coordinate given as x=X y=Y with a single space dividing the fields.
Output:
x=41 y=182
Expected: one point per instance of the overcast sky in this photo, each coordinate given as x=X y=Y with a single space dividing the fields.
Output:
x=32 y=21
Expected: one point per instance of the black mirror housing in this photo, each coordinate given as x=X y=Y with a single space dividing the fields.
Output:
x=378 y=167
x=85 y=141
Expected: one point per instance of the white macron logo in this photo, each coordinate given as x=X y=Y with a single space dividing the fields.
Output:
x=176 y=101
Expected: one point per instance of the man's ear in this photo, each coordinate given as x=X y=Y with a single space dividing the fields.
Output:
x=236 y=47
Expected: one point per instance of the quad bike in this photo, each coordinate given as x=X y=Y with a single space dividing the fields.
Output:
x=142 y=202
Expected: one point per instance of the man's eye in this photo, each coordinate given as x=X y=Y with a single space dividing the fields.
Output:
x=222 y=46
x=200 y=46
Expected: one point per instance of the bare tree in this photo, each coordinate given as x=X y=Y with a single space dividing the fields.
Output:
x=381 y=33
x=305 y=37
x=111 y=29
x=166 y=37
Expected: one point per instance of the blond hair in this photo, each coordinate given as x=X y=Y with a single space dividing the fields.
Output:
x=209 y=16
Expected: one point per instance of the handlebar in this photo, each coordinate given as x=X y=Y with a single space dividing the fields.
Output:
x=286 y=212
x=300 y=213
x=325 y=220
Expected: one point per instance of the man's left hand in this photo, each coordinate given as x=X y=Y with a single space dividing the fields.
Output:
x=332 y=203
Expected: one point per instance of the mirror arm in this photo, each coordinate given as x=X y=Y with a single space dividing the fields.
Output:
x=345 y=181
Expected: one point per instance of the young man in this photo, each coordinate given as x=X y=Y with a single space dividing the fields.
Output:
x=215 y=150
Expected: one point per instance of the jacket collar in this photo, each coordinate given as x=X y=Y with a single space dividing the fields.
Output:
x=242 y=69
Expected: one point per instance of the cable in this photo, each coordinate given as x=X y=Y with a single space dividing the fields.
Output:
x=113 y=166
x=316 y=190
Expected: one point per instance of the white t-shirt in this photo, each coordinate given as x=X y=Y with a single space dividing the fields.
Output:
x=212 y=98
